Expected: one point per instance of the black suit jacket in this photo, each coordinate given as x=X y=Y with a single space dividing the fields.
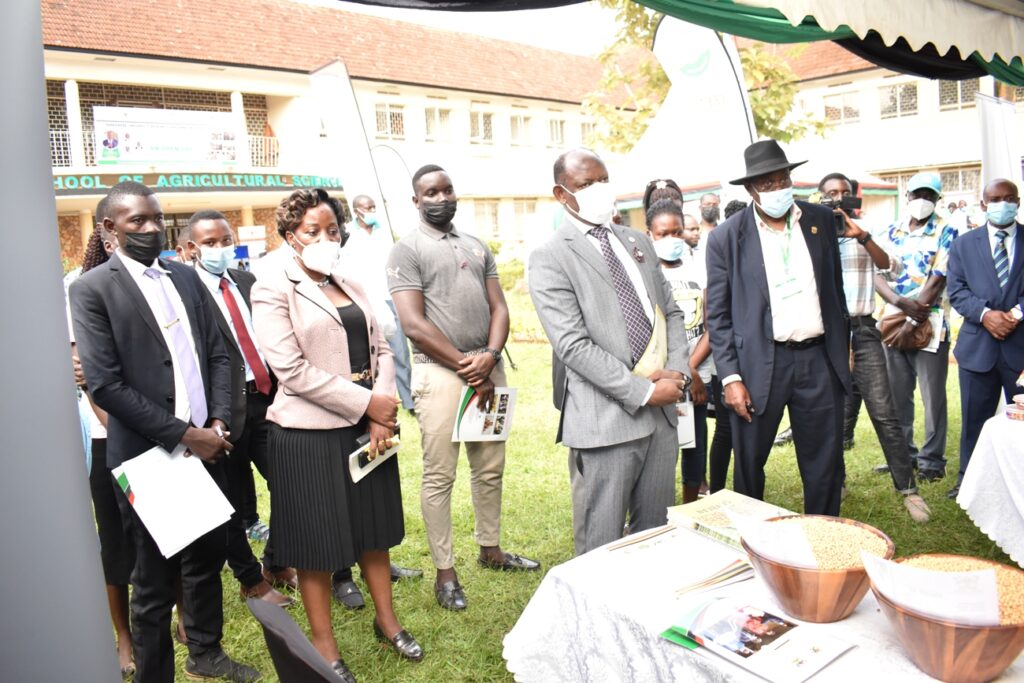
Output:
x=739 y=316
x=128 y=366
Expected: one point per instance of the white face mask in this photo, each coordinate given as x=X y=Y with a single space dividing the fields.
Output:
x=920 y=208
x=321 y=256
x=776 y=203
x=669 y=248
x=596 y=202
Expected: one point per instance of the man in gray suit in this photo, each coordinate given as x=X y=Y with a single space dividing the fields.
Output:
x=608 y=311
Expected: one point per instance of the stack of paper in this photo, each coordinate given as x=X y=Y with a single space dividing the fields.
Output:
x=710 y=516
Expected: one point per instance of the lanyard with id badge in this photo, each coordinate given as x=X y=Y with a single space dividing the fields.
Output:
x=790 y=286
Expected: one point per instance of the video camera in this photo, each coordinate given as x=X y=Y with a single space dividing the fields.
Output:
x=849 y=204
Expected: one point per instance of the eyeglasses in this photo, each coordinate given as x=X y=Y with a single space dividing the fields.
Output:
x=772 y=184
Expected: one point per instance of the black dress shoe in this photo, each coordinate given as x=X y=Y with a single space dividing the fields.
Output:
x=404 y=644
x=512 y=562
x=347 y=593
x=217 y=664
x=930 y=475
x=450 y=596
x=953 y=492
x=343 y=673
x=783 y=437
x=404 y=573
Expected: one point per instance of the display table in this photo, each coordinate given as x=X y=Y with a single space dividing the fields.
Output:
x=992 y=492
x=598 y=618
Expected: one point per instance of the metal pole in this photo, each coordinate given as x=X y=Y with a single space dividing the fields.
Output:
x=54 y=620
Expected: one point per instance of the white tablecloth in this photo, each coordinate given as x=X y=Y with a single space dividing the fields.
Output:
x=598 y=618
x=992 y=491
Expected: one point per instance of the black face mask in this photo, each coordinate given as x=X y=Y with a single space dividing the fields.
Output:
x=144 y=247
x=710 y=213
x=439 y=214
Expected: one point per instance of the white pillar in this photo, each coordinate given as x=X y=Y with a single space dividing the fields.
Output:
x=242 y=131
x=74 y=113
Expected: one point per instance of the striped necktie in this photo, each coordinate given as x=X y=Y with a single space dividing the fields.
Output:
x=1001 y=258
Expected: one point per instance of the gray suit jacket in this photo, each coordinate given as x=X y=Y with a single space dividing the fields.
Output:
x=575 y=299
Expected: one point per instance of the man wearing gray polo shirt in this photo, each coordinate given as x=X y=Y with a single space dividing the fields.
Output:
x=445 y=287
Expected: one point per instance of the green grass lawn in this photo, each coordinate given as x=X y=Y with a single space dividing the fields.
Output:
x=537 y=522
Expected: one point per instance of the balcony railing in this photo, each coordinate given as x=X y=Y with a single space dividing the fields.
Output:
x=60 y=148
x=264 y=152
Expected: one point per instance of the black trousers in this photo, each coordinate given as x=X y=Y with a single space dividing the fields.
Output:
x=980 y=394
x=250 y=449
x=721 y=444
x=117 y=549
x=153 y=594
x=804 y=382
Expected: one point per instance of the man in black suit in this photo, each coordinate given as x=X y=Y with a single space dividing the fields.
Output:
x=208 y=244
x=155 y=362
x=779 y=328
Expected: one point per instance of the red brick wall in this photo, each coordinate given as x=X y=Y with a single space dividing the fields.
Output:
x=71 y=250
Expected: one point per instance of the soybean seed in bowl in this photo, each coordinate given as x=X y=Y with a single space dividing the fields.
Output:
x=1009 y=581
x=837 y=544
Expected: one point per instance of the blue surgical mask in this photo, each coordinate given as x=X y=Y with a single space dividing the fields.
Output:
x=669 y=248
x=1001 y=213
x=370 y=218
x=216 y=259
x=777 y=203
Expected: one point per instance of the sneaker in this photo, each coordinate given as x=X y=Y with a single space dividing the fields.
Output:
x=217 y=664
x=918 y=509
x=258 y=532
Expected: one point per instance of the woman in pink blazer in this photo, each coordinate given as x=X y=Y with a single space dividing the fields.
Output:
x=336 y=383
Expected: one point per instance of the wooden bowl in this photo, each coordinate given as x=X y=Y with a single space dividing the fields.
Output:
x=953 y=652
x=817 y=595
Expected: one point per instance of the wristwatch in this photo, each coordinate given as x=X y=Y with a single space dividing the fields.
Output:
x=865 y=239
x=496 y=355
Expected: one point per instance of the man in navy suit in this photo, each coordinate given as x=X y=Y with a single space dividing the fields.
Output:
x=986 y=286
x=780 y=332
x=155 y=361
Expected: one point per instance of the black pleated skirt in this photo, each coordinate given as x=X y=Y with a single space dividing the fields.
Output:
x=320 y=520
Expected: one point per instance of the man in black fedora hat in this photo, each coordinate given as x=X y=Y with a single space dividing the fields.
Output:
x=779 y=329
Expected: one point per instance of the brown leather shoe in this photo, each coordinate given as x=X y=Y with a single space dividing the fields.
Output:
x=264 y=591
x=286 y=578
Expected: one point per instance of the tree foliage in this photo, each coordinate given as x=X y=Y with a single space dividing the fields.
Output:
x=633 y=85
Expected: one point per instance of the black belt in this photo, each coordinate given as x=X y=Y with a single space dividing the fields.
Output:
x=250 y=387
x=802 y=344
x=868 y=320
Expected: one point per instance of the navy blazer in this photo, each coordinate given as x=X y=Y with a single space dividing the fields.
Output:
x=739 y=316
x=972 y=285
x=127 y=364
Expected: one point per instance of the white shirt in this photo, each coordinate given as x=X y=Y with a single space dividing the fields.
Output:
x=364 y=259
x=151 y=292
x=212 y=282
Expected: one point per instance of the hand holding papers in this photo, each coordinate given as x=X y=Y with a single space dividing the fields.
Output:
x=361 y=464
x=155 y=484
x=472 y=424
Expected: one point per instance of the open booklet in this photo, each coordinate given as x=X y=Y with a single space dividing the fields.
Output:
x=710 y=516
x=361 y=464
x=175 y=497
x=758 y=641
x=473 y=424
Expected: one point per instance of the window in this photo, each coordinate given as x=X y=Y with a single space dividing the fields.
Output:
x=437 y=123
x=587 y=132
x=486 y=213
x=480 y=129
x=898 y=100
x=963 y=179
x=390 y=121
x=958 y=94
x=900 y=180
x=842 y=108
x=1018 y=94
x=520 y=129
x=556 y=133
x=525 y=211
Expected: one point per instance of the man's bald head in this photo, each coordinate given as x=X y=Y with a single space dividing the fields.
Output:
x=1000 y=190
x=572 y=159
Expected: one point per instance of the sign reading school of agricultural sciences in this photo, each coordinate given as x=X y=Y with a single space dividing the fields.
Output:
x=129 y=135
x=98 y=184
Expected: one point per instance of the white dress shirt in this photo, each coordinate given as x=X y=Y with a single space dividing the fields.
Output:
x=212 y=282
x=1011 y=234
x=151 y=292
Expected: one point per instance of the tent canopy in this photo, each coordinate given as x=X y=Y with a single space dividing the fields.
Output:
x=947 y=39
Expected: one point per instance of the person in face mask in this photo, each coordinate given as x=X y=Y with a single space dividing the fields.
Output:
x=608 y=310
x=990 y=348
x=915 y=286
x=445 y=286
x=777 y=319
x=316 y=329
x=208 y=243
x=675 y=241
x=709 y=212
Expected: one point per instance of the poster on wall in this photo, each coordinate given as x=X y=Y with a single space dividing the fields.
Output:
x=129 y=135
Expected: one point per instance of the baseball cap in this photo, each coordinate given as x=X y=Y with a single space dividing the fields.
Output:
x=928 y=180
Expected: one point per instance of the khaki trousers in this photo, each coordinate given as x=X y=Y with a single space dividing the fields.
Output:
x=435 y=391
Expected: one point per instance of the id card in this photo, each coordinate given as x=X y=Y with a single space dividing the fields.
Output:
x=788 y=288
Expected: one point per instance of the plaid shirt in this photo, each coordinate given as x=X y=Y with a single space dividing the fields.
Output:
x=858 y=277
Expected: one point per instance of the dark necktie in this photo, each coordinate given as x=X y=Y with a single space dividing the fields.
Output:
x=1001 y=258
x=638 y=326
x=184 y=356
x=252 y=357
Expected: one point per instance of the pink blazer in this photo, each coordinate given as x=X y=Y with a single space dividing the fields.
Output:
x=302 y=338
